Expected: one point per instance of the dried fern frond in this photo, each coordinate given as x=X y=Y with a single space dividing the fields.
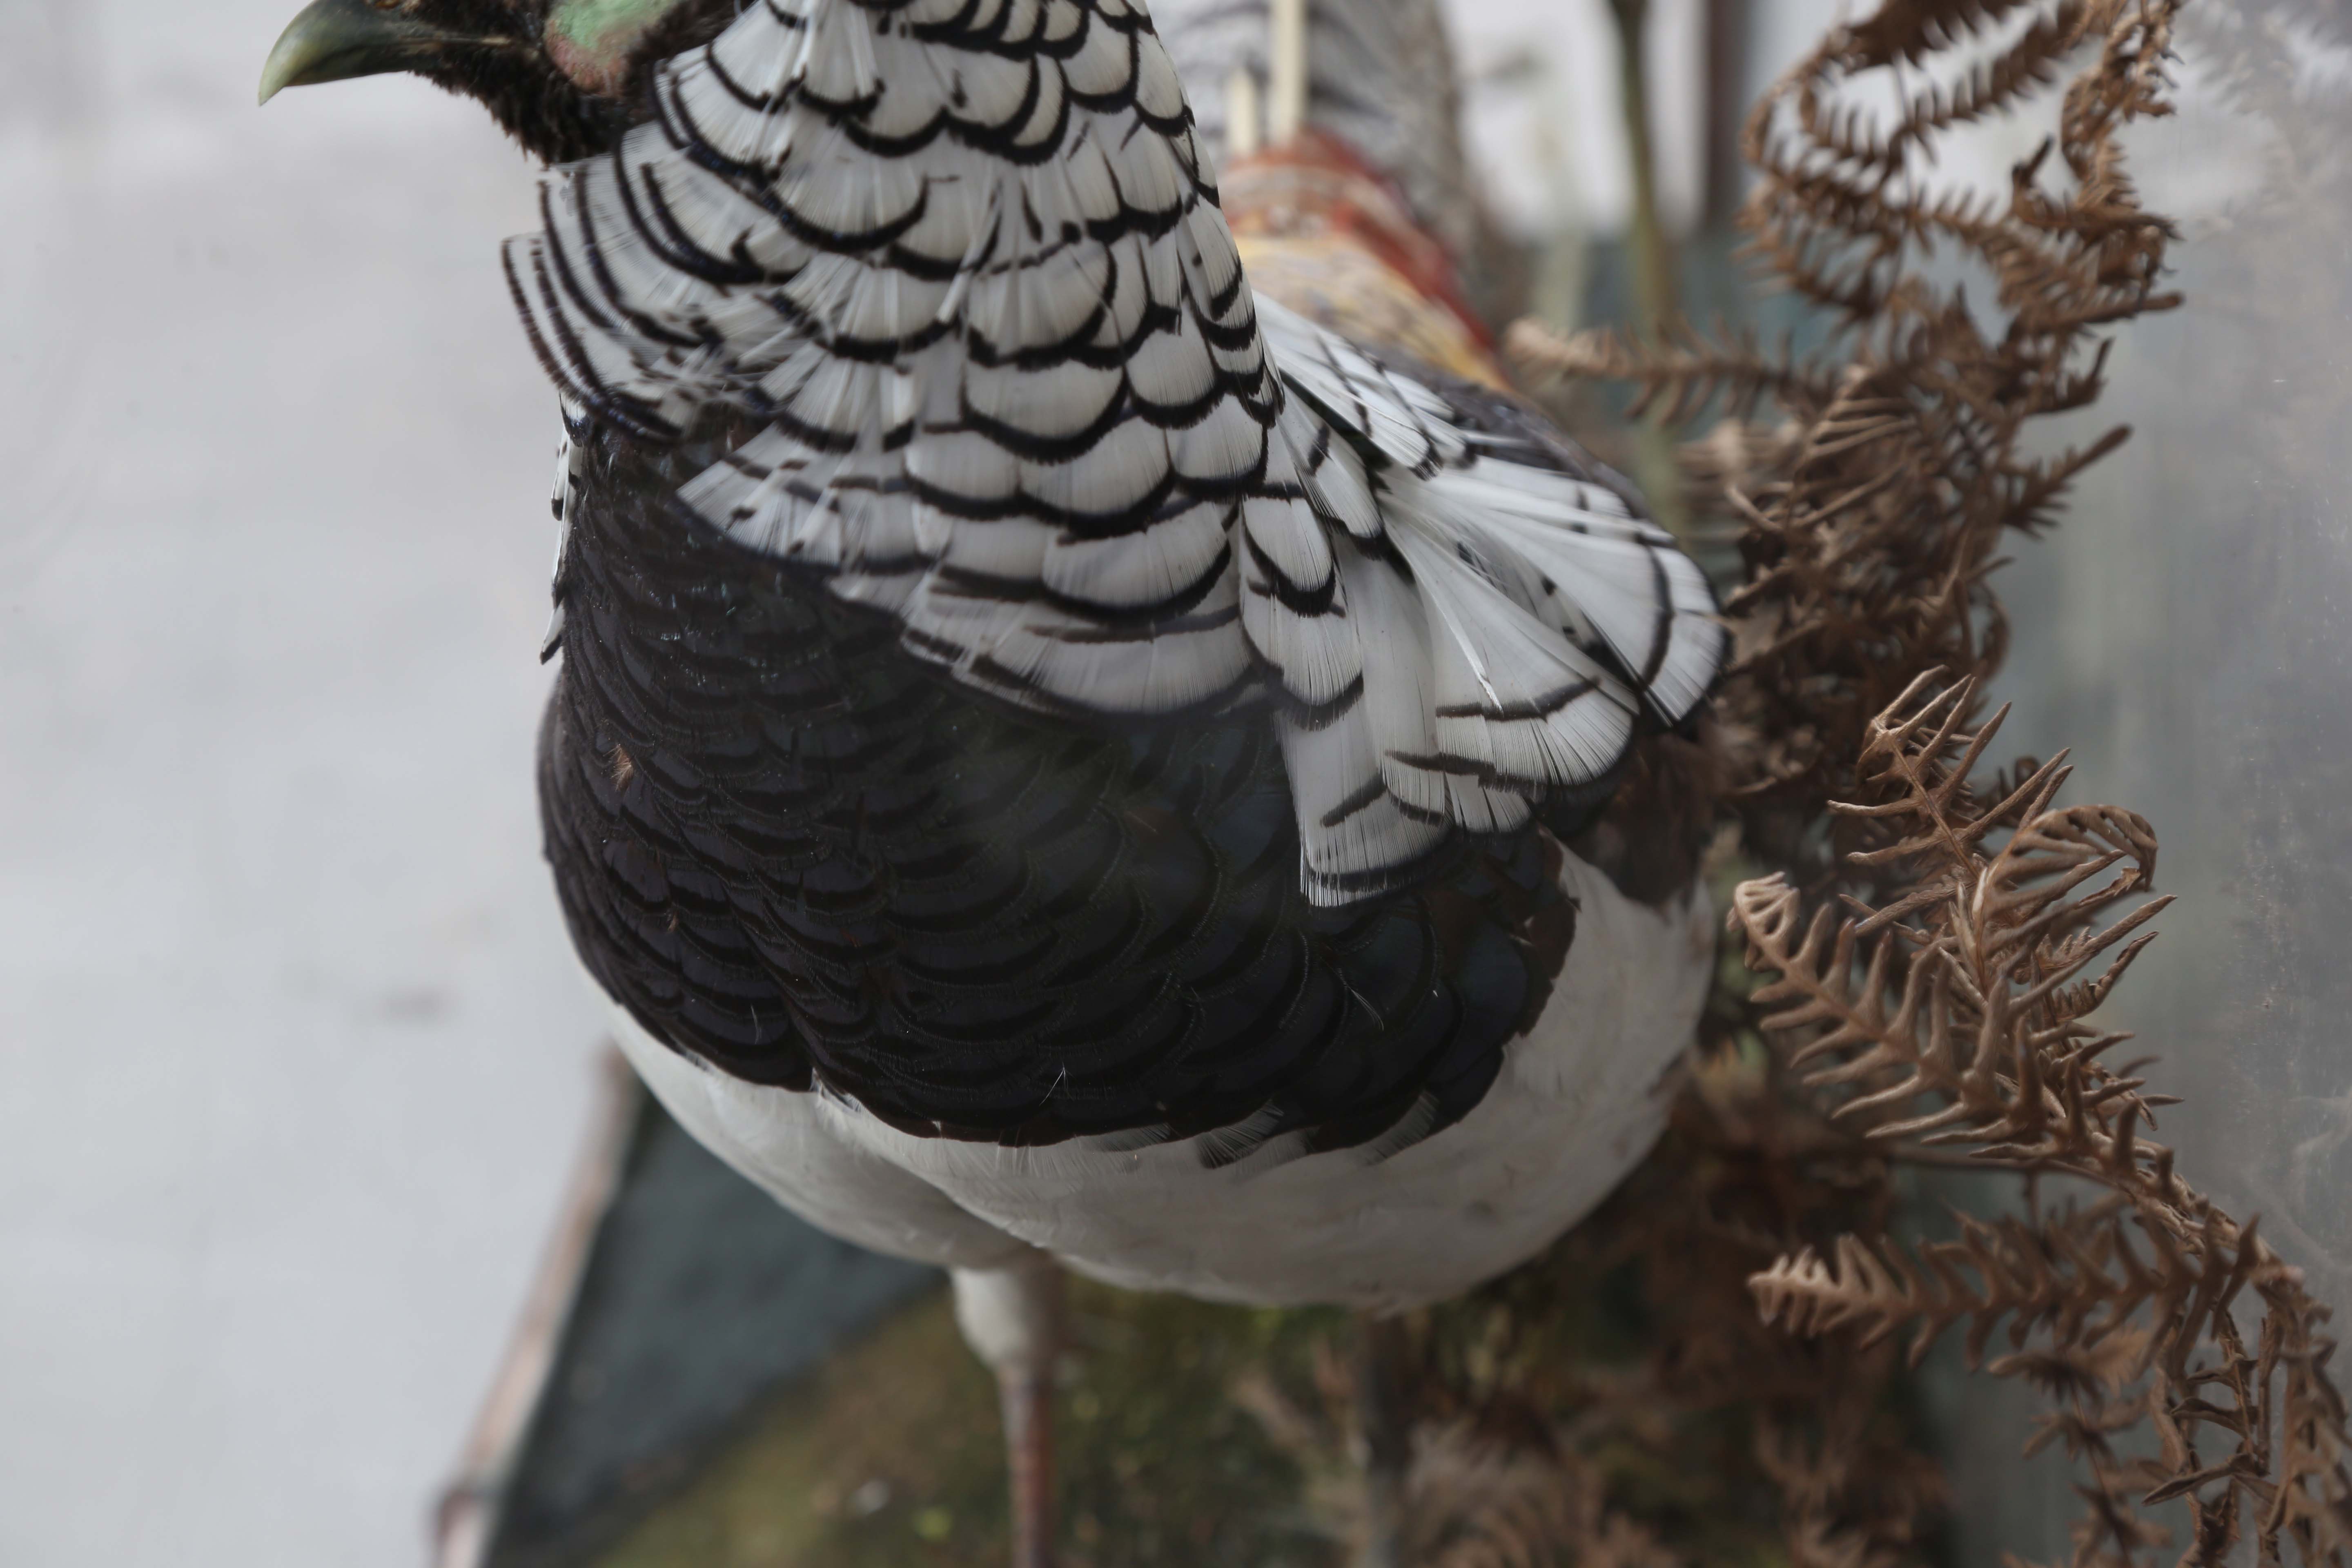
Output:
x=1474 y=1496
x=1971 y=986
x=1870 y=536
x=1959 y=1014
x=1929 y=965
x=1677 y=378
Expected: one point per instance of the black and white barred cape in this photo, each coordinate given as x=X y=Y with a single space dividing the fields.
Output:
x=963 y=260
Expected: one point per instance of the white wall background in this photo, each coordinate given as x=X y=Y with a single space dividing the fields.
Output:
x=291 y=1058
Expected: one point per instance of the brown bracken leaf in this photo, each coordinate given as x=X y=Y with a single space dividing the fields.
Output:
x=1925 y=970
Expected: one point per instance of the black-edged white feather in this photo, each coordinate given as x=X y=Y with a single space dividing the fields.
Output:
x=964 y=259
x=571 y=473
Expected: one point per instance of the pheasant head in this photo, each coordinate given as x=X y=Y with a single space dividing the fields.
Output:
x=561 y=76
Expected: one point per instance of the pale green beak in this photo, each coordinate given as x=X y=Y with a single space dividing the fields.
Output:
x=335 y=40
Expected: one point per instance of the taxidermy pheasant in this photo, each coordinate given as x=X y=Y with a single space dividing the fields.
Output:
x=1093 y=729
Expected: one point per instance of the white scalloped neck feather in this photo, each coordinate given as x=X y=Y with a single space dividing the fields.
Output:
x=964 y=259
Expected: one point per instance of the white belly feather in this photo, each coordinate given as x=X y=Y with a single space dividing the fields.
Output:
x=1580 y=1099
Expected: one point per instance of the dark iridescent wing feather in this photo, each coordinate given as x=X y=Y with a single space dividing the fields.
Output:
x=794 y=852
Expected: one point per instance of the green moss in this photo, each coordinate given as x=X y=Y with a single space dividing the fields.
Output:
x=890 y=1456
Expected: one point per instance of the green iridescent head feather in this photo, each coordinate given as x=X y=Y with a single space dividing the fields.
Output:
x=595 y=41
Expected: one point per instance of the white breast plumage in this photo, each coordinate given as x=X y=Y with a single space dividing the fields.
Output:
x=1581 y=1099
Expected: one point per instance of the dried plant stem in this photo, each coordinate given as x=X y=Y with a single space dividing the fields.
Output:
x=1653 y=255
x=1649 y=252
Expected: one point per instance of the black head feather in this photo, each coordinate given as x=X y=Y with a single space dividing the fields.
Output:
x=565 y=78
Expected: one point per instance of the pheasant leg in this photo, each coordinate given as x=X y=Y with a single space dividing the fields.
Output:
x=1384 y=1426
x=1011 y=1318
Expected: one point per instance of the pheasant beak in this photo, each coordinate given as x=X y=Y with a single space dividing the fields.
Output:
x=334 y=40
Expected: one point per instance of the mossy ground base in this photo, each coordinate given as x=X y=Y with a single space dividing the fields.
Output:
x=890 y=1456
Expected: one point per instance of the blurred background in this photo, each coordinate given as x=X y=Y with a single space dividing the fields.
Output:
x=293 y=1061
